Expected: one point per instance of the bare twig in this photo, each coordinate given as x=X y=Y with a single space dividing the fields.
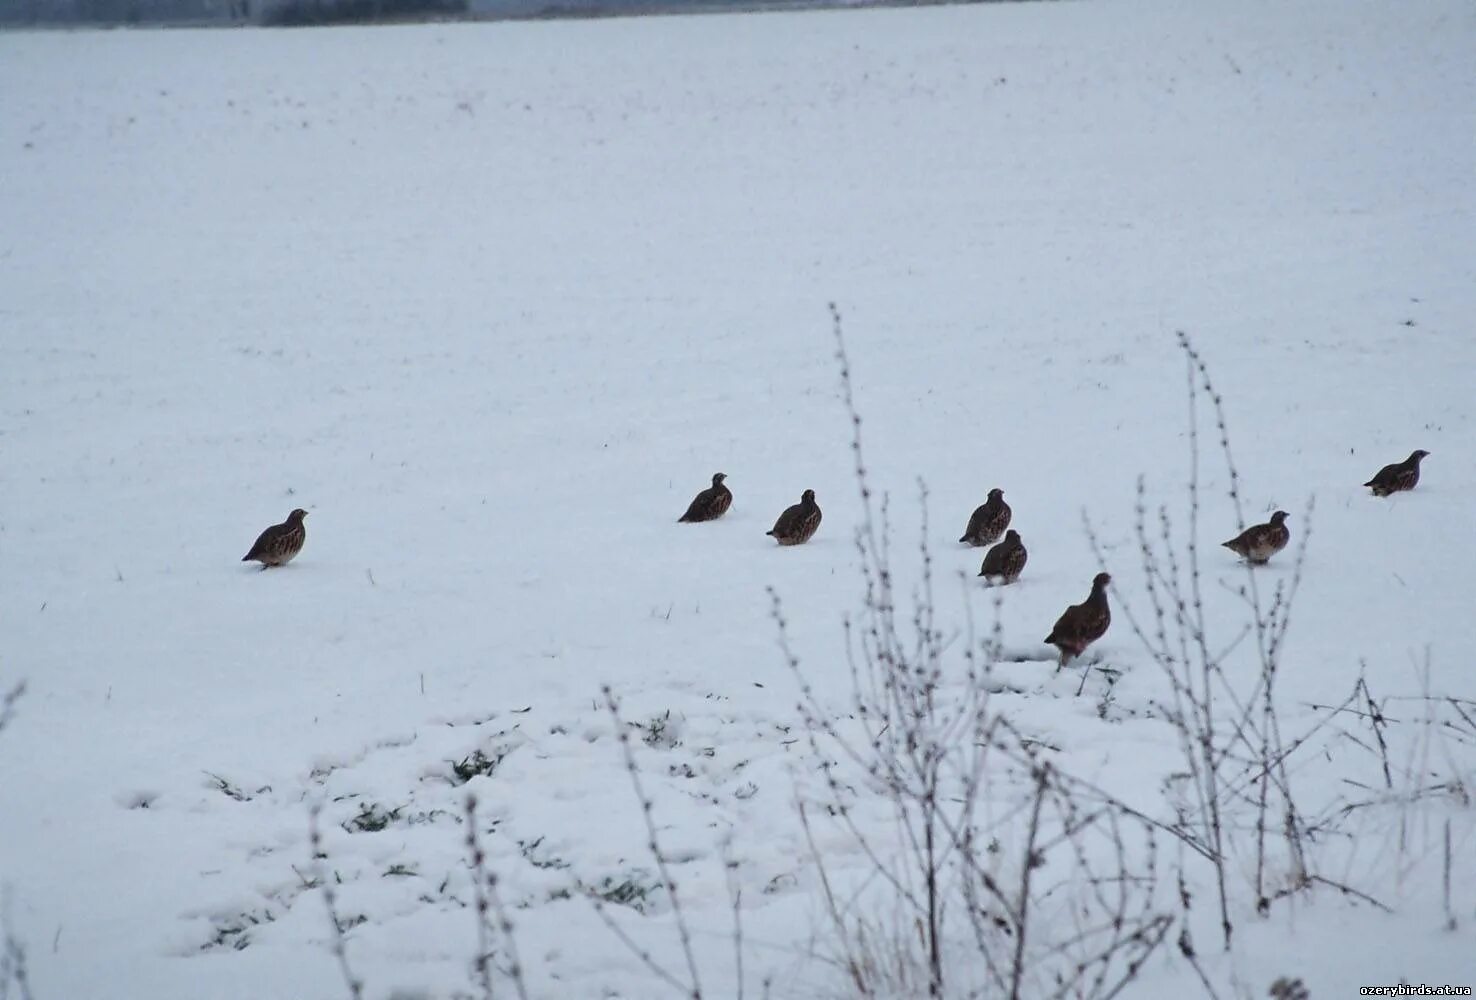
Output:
x=339 y=939
x=7 y=703
x=693 y=988
x=920 y=734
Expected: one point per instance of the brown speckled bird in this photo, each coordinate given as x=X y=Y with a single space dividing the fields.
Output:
x=712 y=503
x=797 y=523
x=1260 y=542
x=1083 y=624
x=1003 y=563
x=989 y=521
x=1399 y=476
x=280 y=543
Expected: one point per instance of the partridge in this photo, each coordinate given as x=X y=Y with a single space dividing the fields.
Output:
x=1003 y=563
x=712 y=503
x=1260 y=542
x=989 y=521
x=798 y=523
x=1083 y=624
x=277 y=545
x=1397 y=477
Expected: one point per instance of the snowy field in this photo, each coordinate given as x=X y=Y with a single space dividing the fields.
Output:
x=492 y=302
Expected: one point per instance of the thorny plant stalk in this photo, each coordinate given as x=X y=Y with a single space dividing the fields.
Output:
x=477 y=861
x=1196 y=629
x=13 y=970
x=488 y=904
x=848 y=958
x=12 y=959
x=693 y=987
x=735 y=898
x=338 y=940
x=12 y=953
x=1423 y=747
x=1230 y=738
x=1022 y=899
x=7 y=703
x=1094 y=942
x=928 y=743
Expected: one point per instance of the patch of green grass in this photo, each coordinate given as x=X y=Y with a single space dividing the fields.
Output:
x=372 y=818
x=529 y=849
x=476 y=763
x=232 y=790
x=235 y=933
x=657 y=731
x=634 y=890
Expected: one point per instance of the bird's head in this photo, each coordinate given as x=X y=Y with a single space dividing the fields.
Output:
x=718 y=477
x=1012 y=535
x=996 y=494
x=297 y=515
x=1417 y=454
x=808 y=496
x=1100 y=581
x=1279 y=516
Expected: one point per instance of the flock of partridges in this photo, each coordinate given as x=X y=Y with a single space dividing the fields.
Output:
x=1079 y=626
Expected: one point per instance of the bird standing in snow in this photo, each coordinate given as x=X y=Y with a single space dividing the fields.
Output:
x=1260 y=542
x=1083 y=624
x=989 y=521
x=1397 y=477
x=277 y=545
x=798 y=523
x=1003 y=563
x=712 y=503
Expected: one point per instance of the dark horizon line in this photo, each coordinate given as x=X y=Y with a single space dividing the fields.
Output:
x=336 y=13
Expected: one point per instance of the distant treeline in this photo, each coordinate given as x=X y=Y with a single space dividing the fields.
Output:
x=36 y=13
x=298 y=13
x=223 y=12
x=118 y=12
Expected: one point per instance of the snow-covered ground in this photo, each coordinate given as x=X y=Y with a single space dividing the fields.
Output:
x=493 y=302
